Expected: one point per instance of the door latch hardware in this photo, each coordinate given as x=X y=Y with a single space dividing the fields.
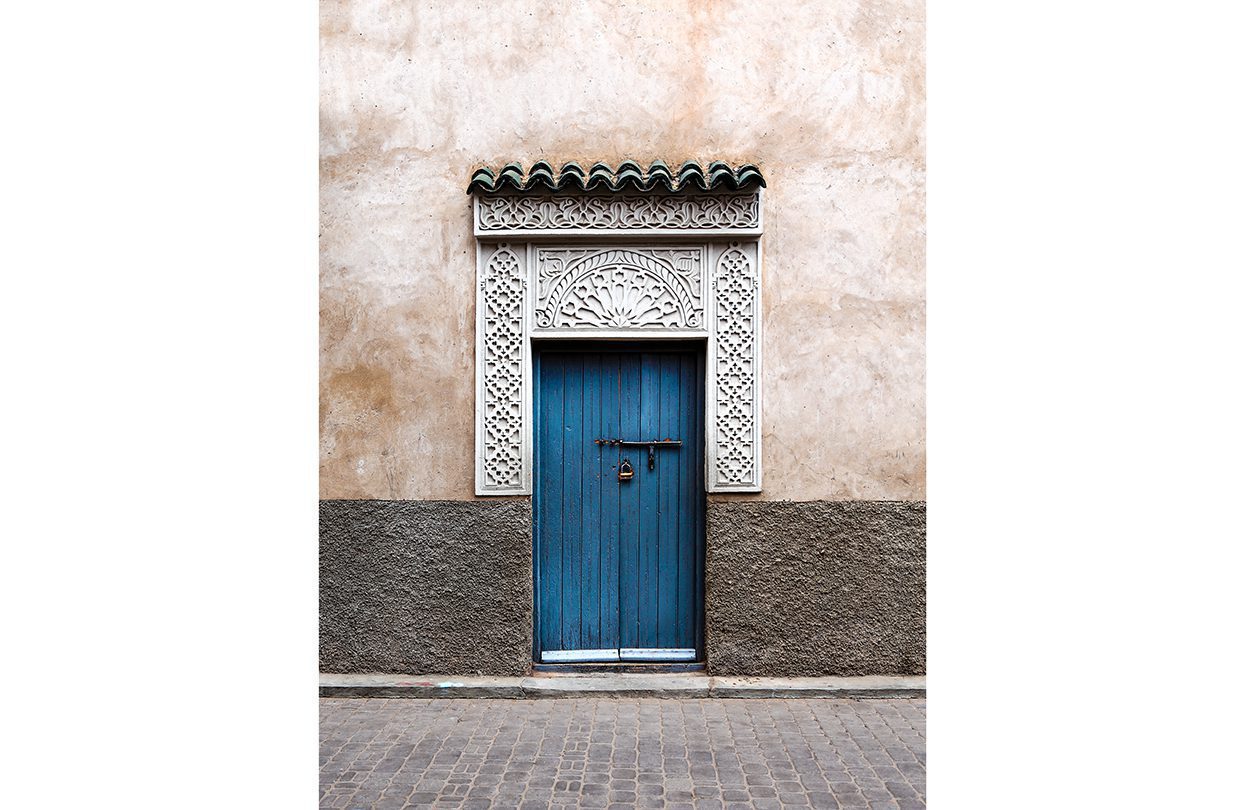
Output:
x=652 y=446
x=625 y=472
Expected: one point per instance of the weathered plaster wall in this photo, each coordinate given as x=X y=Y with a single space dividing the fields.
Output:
x=815 y=588
x=426 y=586
x=826 y=97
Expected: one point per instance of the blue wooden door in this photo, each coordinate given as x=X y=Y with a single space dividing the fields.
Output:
x=619 y=563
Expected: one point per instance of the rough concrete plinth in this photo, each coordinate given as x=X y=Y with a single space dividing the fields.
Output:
x=414 y=586
x=815 y=588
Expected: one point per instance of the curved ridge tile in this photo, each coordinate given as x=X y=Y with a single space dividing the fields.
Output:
x=692 y=176
x=629 y=173
x=748 y=174
x=541 y=174
x=512 y=175
x=571 y=176
x=481 y=180
x=659 y=174
x=601 y=174
x=721 y=175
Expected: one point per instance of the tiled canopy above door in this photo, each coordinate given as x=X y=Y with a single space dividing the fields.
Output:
x=617 y=254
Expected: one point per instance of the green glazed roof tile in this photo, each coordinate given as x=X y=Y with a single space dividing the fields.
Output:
x=600 y=175
x=482 y=177
x=629 y=176
x=721 y=175
x=511 y=174
x=629 y=172
x=748 y=174
x=571 y=178
x=541 y=174
x=659 y=174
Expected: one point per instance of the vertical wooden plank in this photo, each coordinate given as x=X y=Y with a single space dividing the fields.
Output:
x=685 y=599
x=550 y=483
x=572 y=501
x=698 y=512
x=629 y=503
x=536 y=510
x=694 y=492
x=590 y=453
x=668 y=517
x=611 y=491
x=650 y=425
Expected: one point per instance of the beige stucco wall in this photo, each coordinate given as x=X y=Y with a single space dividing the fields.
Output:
x=828 y=98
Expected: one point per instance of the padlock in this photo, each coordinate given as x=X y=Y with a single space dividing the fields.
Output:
x=625 y=473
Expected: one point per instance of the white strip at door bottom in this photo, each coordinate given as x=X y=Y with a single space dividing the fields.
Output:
x=625 y=654
x=657 y=654
x=577 y=656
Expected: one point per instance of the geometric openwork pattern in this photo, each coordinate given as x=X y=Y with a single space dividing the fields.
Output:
x=504 y=349
x=735 y=369
x=567 y=278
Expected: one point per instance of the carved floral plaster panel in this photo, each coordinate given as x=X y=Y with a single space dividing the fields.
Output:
x=622 y=287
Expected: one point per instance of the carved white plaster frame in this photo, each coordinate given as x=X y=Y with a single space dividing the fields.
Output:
x=732 y=452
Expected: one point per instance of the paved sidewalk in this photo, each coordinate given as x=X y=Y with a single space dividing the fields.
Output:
x=622 y=753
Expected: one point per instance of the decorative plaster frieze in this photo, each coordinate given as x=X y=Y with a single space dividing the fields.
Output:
x=588 y=213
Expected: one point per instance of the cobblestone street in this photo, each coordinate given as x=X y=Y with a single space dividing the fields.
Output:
x=616 y=753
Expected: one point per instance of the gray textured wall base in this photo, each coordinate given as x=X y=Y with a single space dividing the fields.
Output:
x=426 y=586
x=815 y=587
x=792 y=588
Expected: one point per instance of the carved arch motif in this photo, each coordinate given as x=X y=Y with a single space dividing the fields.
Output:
x=619 y=289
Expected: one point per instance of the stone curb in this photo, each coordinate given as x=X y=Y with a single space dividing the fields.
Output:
x=624 y=685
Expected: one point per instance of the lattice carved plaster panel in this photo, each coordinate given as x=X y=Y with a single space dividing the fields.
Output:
x=589 y=286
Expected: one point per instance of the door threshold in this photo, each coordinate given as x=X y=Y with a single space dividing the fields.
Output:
x=626 y=667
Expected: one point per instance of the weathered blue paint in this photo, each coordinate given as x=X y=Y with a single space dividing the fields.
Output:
x=619 y=565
